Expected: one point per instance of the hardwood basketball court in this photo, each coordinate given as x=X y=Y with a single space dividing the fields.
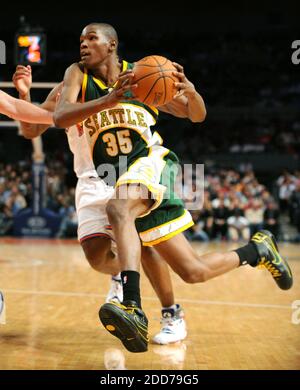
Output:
x=240 y=320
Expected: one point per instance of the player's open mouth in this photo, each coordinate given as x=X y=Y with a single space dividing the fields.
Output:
x=84 y=55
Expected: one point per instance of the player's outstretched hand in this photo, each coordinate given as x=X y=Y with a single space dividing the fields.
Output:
x=22 y=79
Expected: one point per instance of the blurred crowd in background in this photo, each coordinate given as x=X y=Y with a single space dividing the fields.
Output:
x=233 y=205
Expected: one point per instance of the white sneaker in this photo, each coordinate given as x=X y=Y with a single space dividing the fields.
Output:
x=115 y=293
x=173 y=327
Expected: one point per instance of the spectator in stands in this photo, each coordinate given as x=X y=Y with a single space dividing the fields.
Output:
x=286 y=184
x=255 y=214
x=69 y=224
x=220 y=215
x=271 y=218
x=238 y=225
x=6 y=220
x=15 y=200
x=295 y=209
x=202 y=230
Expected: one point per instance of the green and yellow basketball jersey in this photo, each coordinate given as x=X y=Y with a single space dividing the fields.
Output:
x=124 y=130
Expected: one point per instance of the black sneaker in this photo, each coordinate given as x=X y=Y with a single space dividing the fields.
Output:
x=127 y=322
x=270 y=259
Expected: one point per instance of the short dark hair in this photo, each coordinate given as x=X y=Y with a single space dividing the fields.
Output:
x=107 y=30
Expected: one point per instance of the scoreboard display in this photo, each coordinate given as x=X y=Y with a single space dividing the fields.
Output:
x=30 y=49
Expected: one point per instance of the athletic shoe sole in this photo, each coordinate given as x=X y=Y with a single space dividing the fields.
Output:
x=116 y=322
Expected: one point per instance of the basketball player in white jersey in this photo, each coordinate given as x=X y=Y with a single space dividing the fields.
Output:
x=20 y=110
x=94 y=232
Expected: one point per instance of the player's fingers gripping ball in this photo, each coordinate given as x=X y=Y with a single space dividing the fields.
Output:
x=155 y=80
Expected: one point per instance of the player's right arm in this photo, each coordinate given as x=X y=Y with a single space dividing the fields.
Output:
x=22 y=80
x=68 y=112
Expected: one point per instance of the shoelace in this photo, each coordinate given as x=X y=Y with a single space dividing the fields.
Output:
x=131 y=310
x=167 y=323
x=270 y=267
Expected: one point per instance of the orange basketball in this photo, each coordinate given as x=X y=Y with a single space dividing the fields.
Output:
x=155 y=79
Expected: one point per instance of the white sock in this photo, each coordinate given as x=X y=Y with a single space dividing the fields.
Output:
x=174 y=307
x=117 y=277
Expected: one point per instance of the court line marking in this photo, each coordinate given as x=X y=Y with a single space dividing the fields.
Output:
x=181 y=300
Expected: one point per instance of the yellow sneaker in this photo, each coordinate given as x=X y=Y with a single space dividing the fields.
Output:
x=270 y=259
x=127 y=322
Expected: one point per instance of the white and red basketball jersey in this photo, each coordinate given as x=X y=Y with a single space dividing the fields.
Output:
x=79 y=146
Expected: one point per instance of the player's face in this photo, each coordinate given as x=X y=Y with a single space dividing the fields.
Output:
x=94 y=47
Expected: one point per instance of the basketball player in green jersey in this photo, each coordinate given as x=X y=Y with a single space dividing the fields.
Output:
x=93 y=233
x=120 y=126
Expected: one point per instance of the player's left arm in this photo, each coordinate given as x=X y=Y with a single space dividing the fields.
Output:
x=187 y=102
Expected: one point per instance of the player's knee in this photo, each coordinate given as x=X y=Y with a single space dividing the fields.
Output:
x=94 y=259
x=187 y=277
x=117 y=211
x=192 y=276
x=95 y=253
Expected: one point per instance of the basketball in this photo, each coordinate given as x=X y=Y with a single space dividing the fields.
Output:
x=155 y=79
